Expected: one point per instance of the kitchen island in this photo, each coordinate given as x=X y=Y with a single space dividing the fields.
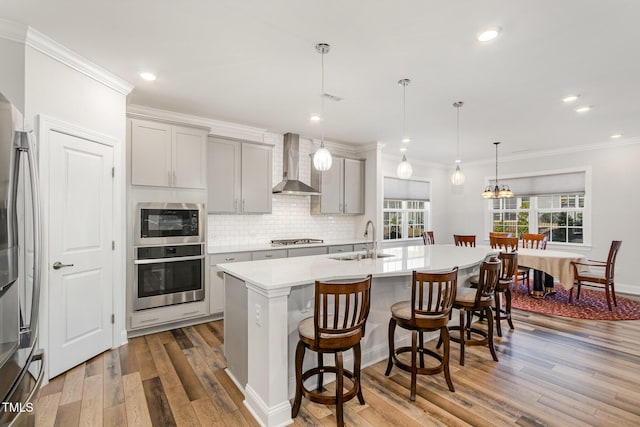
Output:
x=265 y=300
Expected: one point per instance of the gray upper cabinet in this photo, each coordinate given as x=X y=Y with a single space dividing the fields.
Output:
x=165 y=155
x=342 y=188
x=239 y=176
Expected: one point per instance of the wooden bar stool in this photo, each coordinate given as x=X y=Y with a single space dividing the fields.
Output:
x=468 y=301
x=432 y=296
x=337 y=325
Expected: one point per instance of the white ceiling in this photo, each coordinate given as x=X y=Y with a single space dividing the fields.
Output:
x=253 y=62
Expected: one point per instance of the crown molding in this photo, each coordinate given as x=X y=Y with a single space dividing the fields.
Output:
x=60 y=53
x=215 y=127
x=28 y=36
x=13 y=31
x=533 y=154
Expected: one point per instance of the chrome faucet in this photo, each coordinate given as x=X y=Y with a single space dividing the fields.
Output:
x=372 y=252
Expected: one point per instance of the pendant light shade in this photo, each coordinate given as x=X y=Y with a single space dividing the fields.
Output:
x=404 y=170
x=322 y=157
x=498 y=191
x=458 y=177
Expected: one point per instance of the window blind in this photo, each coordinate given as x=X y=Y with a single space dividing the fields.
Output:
x=561 y=183
x=406 y=189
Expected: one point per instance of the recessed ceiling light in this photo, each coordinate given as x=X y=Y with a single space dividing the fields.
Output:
x=148 y=76
x=570 y=98
x=406 y=140
x=314 y=118
x=617 y=135
x=488 y=34
x=403 y=150
x=583 y=109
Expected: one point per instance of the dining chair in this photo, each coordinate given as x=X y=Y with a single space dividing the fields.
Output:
x=504 y=243
x=597 y=274
x=464 y=240
x=499 y=234
x=432 y=296
x=427 y=238
x=481 y=299
x=529 y=241
x=338 y=324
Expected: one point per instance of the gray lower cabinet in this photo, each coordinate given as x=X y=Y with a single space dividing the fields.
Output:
x=272 y=254
x=342 y=188
x=294 y=252
x=340 y=248
x=216 y=279
x=238 y=176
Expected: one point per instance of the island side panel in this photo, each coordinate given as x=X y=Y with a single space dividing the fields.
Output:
x=235 y=329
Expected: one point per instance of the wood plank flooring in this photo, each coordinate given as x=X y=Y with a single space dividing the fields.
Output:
x=552 y=371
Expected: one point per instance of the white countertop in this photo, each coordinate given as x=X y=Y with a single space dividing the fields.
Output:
x=221 y=249
x=286 y=272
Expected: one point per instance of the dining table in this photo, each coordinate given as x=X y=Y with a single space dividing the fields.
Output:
x=549 y=264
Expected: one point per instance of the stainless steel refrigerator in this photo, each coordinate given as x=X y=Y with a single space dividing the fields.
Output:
x=21 y=363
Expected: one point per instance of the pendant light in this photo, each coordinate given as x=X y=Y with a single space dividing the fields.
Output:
x=322 y=157
x=404 y=170
x=498 y=191
x=458 y=177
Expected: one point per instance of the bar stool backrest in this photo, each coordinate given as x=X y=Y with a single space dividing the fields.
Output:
x=433 y=294
x=489 y=276
x=341 y=309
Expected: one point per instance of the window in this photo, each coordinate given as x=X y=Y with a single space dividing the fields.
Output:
x=558 y=216
x=404 y=219
x=405 y=209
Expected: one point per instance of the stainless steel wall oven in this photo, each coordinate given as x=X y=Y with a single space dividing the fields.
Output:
x=166 y=275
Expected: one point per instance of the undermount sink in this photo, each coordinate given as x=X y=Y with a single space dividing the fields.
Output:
x=358 y=257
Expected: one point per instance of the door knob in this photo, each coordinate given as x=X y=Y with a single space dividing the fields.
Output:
x=58 y=265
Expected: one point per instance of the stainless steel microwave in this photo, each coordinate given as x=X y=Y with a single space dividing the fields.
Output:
x=169 y=223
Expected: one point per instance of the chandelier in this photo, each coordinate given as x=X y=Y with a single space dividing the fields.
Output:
x=498 y=191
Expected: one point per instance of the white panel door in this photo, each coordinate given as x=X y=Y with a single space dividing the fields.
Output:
x=81 y=217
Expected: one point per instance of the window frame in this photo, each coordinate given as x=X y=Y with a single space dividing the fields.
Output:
x=404 y=212
x=586 y=211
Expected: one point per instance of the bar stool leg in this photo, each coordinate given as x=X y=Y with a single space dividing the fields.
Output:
x=498 y=313
x=321 y=374
x=462 y=332
x=357 y=362
x=507 y=295
x=444 y=336
x=392 y=347
x=490 y=333
x=414 y=367
x=298 y=399
x=420 y=347
x=339 y=389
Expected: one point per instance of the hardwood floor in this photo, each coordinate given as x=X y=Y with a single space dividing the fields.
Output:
x=552 y=371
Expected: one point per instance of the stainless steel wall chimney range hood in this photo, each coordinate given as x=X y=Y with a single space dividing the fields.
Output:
x=290 y=169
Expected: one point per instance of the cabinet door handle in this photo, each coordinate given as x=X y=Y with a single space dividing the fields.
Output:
x=169 y=179
x=175 y=179
x=150 y=320
x=345 y=208
x=235 y=205
x=230 y=259
x=268 y=256
x=243 y=205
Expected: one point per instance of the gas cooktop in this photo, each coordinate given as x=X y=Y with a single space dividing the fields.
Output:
x=287 y=242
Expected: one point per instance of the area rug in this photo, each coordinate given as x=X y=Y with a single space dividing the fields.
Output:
x=591 y=305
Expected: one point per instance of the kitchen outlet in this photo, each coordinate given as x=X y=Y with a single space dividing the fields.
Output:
x=258 y=315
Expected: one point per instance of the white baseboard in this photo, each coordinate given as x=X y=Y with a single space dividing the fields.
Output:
x=624 y=288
